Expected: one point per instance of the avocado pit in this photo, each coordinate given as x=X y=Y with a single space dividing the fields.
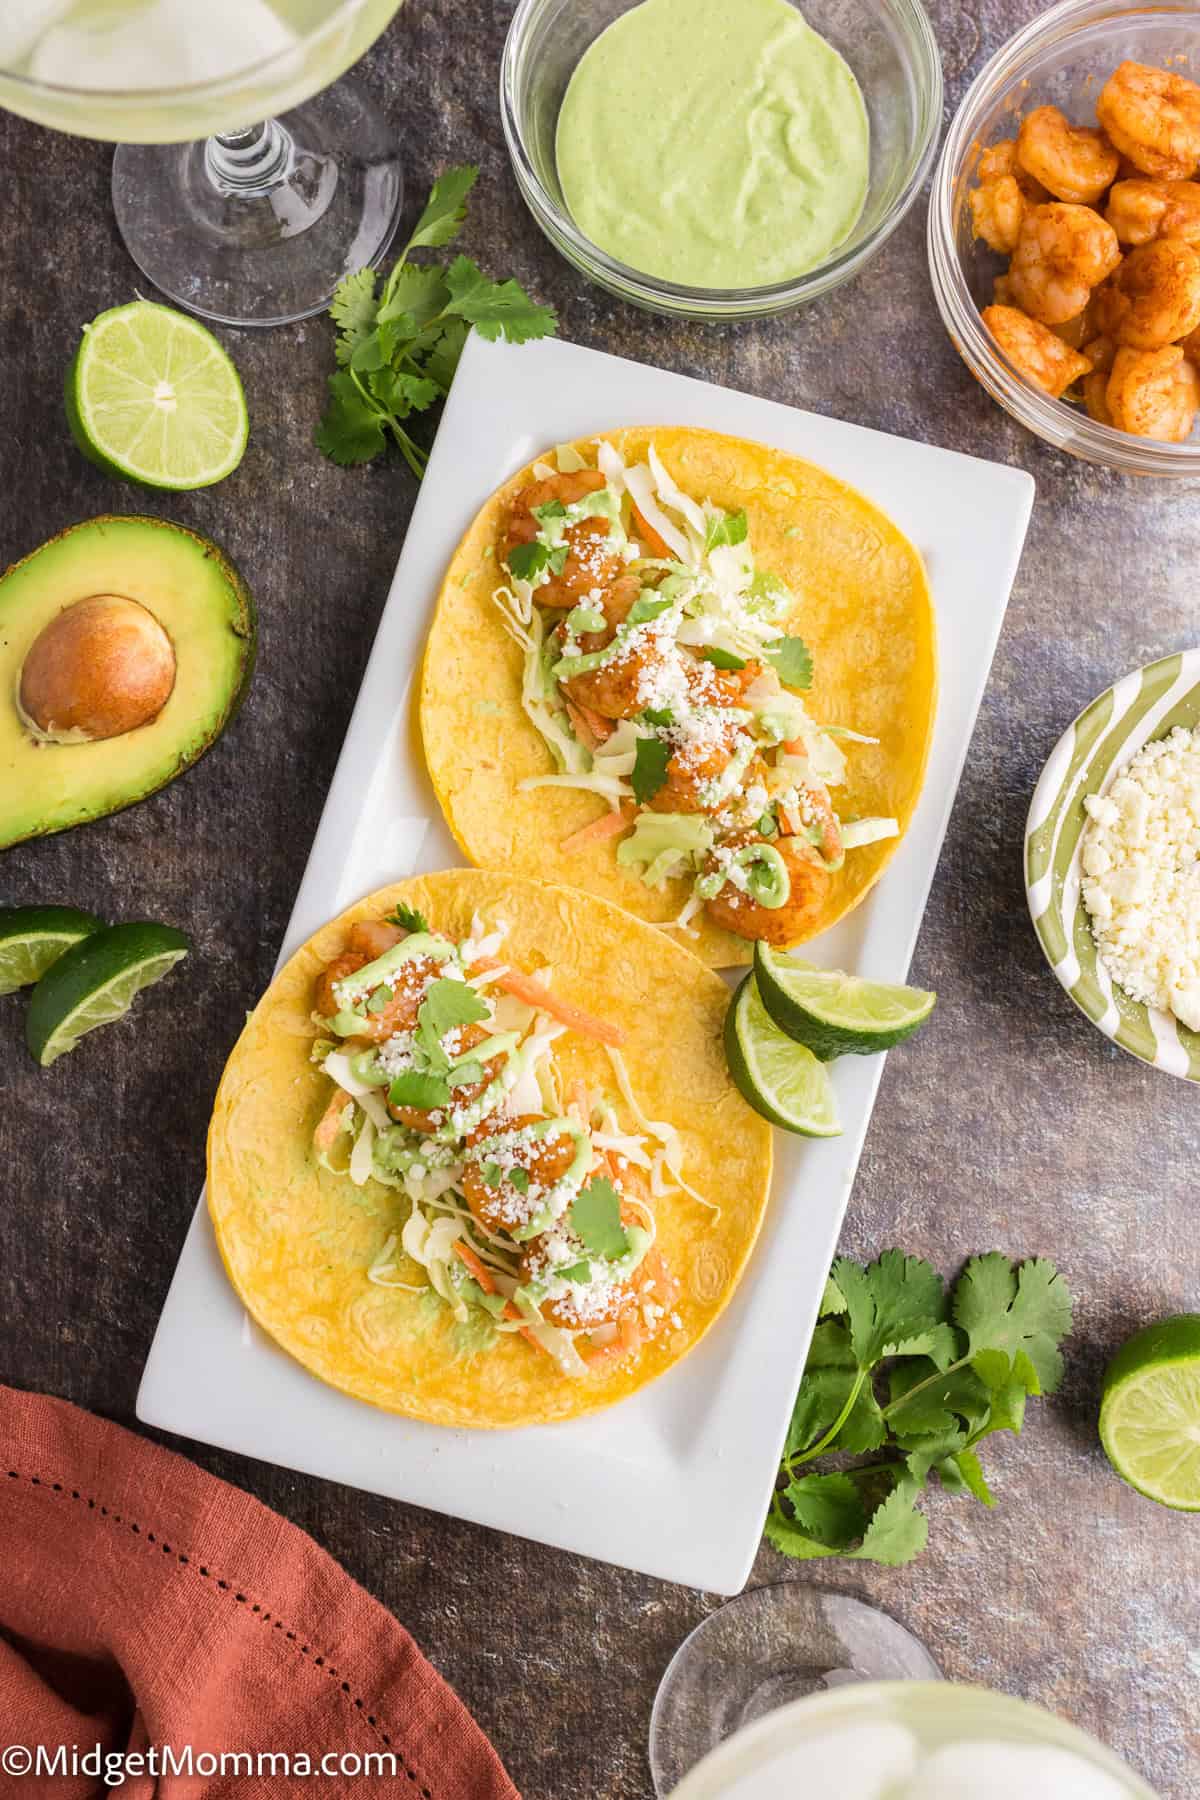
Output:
x=100 y=668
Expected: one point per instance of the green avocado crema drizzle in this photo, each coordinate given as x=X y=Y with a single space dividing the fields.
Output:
x=712 y=146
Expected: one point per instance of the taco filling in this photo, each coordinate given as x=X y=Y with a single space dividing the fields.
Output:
x=529 y=1210
x=660 y=671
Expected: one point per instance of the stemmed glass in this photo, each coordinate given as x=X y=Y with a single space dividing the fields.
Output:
x=229 y=209
x=797 y=1690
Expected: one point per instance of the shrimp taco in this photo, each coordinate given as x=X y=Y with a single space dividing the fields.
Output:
x=452 y=1171
x=689 y=674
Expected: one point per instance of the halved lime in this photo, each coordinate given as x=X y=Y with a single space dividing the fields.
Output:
x=836 y=1014
x=1150 y=1415
x=96 y=982
x=151 y=396
x=33 y=937
x=782 y=1080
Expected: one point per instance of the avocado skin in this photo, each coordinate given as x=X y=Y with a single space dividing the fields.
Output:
x=194 y=717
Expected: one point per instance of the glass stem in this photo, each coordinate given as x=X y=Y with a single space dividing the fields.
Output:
x=251 y=161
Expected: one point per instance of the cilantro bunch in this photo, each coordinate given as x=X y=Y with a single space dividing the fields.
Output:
x=903 y=1381
x=398 y=349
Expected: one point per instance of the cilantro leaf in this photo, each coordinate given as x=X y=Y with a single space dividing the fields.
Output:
x=425 y=1092
x=447 y=1004
x=527 y=561
x=659 y=715
x=828 y=1508
x=350 y=431
x=787 y=1537
x=416 y=293
x=446 y=208
x=580 y=1271
x=728 y=528
x=897 y=1532
x=893 y=1300
x=722 y=659
x=408 y=918
x=970 y=1472
x=649 y=768
x=832 y=1300
x=1021 y=1313
x=928 y=1403
x=354 y=310
x=829 y=1381
x=792 y=661
x=493 y=1174
x=402 y=393
x=441 y=359
x=596 y=1220
x=495 y=308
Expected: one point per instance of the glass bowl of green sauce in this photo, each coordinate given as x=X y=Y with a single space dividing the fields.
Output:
x=720 y=161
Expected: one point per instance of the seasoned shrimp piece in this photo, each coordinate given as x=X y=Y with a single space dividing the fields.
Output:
x=602 y=1302
x=1140 y=211
x=695 y=764
x=498 y=1203
x=1101 y=353
x=429 y=1118
x=1063 y=253
x=373 y=937
x=998 y=211
x=1190 y=345
x=1002 y=291
x=348 y=963
x=1155 y=296
x=1154 y=394
x=782 y=925
x=618 y=688
x=1074 y=162
x=1001 y=160
x=819 y=817
x=1095 y=397
x=1153 y=118
x=591 y=561
x=1040 y=356
x=615 y=603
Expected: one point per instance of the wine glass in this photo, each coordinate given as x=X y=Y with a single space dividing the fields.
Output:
x=249 y=223
x=796 y=1690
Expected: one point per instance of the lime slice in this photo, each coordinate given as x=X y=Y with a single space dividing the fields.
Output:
x=33 y=937
x=782 y=1080
x=836 y=1014
x=152 y=396
x=1150 y=1415
x=96 y=982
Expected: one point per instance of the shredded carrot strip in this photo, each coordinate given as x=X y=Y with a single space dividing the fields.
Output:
x=514 y=1312
x=627 y=1342
x=596 y=831
x=331 y=1120
x=583 y=730
x=600 y=727
x=536 y=994
x=650 y=538
x=478 y=1269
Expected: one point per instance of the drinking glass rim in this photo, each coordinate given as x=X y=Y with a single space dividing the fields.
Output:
x=185 y=90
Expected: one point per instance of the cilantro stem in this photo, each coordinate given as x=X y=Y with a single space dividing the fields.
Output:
x=964 y=1362
x=795 y=1462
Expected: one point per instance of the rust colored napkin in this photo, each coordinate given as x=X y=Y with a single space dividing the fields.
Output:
x=143 y=1603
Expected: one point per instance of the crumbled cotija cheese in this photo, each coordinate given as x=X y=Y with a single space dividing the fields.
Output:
x=1141 y=869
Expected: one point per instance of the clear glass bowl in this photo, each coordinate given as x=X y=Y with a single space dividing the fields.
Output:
x=1064 y=57
x=888 y=43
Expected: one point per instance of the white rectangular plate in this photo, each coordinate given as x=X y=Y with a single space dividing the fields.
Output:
x=696 y=1450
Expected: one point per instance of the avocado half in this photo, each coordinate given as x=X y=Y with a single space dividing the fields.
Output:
x=51 y=779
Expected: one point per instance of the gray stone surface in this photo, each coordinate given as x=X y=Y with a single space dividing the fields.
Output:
x=1009 y=1123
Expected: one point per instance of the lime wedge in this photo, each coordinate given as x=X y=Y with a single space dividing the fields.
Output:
x=1150 y=1415
x=96 y=982
x=33 y=937
x=151 y=396
x=835 y=1014
x=782 y=1080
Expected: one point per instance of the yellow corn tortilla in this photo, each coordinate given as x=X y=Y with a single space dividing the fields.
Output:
x=297 y=1240
x=864 y=609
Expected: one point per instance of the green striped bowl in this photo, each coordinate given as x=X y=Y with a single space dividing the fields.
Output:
x=1086 y=760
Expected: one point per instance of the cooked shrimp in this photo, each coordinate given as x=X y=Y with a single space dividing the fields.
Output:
x=1095 y=397
x=615 y=603
x=1156 y=295
x=1074 y=162
x=800 y=913
x=1153 y=118
x=407 y=983
x=695 y=765
x=1002 y=291
x=1101 y=353
x=1190 y=345
x=998 y=211
x=1063 y=252
x=498 y=1150
x=1001 y=160
x=618 y=688
x=373 y=937
x=1140 y=211
x=818 y=816
x=591 y=561
x=419 y=1118
x=348 y=963
x=603 y=1303
x=1154 y=394
x=1041 y=357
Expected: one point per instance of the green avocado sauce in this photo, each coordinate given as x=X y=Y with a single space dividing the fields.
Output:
x=714 y=145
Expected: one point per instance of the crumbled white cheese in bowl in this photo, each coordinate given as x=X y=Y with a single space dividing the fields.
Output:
x=1140 y=858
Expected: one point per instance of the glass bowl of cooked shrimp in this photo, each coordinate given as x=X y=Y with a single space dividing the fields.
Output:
x=1064 y=232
